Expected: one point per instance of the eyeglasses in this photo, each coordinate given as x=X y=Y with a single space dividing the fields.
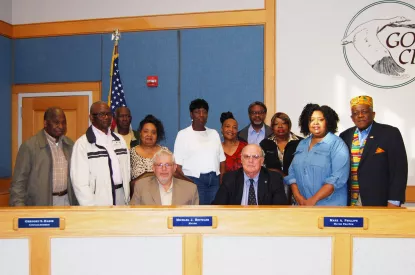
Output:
x=102 y=115
x=161 y=165
x=254 y=157
x=257 y=113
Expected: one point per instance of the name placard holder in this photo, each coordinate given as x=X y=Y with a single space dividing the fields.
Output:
x=343 y=222
x=192 y=221
x=38 y=223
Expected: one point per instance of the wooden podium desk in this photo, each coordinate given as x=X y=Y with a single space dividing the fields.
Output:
x=206 y=240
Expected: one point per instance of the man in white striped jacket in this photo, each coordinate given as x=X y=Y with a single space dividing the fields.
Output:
x=100 y=164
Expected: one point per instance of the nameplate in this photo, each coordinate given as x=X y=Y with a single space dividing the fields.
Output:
x=20 y=223
x=192 y=221
x=349 y=222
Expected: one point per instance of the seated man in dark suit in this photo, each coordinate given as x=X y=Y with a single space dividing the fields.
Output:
x=252 y=184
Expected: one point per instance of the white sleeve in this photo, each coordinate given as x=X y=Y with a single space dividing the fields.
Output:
x=80 y=174
x=222 y=156
x=179 y=147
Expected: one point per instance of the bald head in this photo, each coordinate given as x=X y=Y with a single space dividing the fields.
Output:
x=52 y=112
x=96 y=105
x=255 y=147
x=54 y=122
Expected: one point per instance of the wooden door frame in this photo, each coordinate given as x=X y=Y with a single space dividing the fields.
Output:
x=68 y=88
x=21 y=96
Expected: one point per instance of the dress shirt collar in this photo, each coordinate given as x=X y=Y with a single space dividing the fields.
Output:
x=251 y=130
x=365 y=131
x=246 y=178
x=100 y=135
x=52 y=139
x=327 y=139
x=161 y=187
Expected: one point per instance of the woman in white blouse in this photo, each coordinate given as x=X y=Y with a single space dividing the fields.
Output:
x=199 y=153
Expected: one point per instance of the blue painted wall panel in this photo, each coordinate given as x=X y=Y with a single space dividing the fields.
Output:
x=57 y=59
x=143 y=54
x=5 y=109
x=225 y=66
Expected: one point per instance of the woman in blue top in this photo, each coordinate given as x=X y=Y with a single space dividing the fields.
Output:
x=320 y=169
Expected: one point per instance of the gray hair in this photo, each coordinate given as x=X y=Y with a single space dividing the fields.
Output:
x=257 y=146
x=163 y=152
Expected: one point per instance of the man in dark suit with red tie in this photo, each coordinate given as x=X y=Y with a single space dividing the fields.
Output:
x=252 y=184
x=379 y=166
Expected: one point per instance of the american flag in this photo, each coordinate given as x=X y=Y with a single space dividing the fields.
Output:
x=116 y=96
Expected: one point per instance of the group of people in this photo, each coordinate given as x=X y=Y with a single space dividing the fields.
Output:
x=259 y=165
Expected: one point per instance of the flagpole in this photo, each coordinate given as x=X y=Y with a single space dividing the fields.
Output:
x=116 y=35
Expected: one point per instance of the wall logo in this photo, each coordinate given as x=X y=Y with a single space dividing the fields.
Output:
x=379 y=44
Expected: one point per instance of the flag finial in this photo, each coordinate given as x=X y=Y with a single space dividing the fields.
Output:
x=116 y=35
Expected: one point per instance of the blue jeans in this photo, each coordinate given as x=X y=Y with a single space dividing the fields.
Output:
x=207 y=186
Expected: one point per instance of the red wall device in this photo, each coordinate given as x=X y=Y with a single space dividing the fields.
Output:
x=152 y=81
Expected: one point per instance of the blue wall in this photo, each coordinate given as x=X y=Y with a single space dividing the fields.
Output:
x=57 y=59
x=223 y=65
x=5 y=110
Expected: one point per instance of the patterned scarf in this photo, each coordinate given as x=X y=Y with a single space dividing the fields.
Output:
x=356 y=152
x=281 y=153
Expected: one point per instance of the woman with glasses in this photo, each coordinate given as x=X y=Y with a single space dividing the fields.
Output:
x=199 y=153
x=280 y=146
x=151 y=132
x=232 y=146
x=320 y=169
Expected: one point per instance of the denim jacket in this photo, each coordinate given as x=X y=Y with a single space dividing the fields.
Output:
x=328 y=162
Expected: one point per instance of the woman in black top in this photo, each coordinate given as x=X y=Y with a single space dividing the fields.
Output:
x=280 y=146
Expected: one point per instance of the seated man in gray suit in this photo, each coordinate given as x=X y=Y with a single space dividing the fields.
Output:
x=163 y=188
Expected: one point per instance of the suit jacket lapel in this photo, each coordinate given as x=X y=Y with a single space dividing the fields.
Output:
x=370 y=142
x=239 y=186
x=175 y=200
x=349 y=137
x=155 y=192
x=262 y=187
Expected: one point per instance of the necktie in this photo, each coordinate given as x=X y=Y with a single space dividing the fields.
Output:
x=251 y=194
